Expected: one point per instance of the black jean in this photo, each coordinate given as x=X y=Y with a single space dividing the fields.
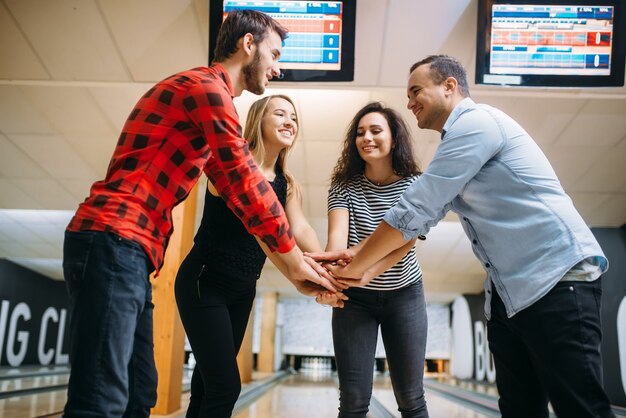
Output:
x=401 y=315
x=550 y=351
x=215 y=314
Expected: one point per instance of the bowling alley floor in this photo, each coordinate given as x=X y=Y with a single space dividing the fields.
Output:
x=41 y=392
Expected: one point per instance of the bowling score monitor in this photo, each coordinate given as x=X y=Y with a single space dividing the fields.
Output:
x=551 y=43
x=320 y=43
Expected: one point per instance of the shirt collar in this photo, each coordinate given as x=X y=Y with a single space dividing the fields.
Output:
x=224 y=75
x=461 y=107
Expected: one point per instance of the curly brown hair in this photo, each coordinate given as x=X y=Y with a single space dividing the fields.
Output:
x=350 y=163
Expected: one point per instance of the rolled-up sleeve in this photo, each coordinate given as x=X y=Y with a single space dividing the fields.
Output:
x=470 y=141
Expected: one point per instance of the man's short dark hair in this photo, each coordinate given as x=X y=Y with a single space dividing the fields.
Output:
x=442 y=67
x=240 y=22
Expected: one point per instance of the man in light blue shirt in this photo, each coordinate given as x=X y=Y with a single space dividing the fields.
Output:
x=543 y=264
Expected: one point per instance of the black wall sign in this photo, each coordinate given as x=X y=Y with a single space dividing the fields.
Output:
x=34 y=318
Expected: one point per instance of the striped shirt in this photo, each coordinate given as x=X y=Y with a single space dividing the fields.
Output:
x=367 y=203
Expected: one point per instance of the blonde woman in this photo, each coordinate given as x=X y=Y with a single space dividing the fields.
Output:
x=216 y=283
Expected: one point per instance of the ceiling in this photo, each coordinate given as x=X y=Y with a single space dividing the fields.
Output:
x=71 y=70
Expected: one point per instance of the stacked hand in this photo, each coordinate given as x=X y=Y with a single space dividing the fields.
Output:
x=324 y=296
x=309 y=277
x=335 y=300
x=338 y=257
x=336 y=264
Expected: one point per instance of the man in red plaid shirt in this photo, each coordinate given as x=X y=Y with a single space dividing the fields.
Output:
x=184 y=125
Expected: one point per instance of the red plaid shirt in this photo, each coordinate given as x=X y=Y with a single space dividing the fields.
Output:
x=182 y=126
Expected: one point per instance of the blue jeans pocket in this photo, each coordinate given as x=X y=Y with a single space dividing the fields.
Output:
x=76 y=249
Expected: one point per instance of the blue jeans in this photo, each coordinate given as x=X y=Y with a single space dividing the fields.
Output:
x=550 y=351
x=111 y=342
x=401 y=315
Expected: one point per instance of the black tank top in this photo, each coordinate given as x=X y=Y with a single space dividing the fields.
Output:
x=225 y=244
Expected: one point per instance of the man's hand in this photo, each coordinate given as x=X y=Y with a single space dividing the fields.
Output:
x=341 y=257
x=347 y=276
x=308 y=288
x=323 y=272
x=338 y=264
x=298 y=271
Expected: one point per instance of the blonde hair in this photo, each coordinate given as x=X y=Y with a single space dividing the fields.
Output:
x=253 y=133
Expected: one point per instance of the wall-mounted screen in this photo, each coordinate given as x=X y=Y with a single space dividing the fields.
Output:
x=320 y=44
x=550 y=43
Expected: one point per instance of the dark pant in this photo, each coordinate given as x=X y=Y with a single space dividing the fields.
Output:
x=215 y=314
x=401 y=315
x=111 y=350
x=550 y=351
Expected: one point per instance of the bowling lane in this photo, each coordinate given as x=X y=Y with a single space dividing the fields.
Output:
x=302 y=395
x=308 y=393
x=32 y=391
x=438 y=406
x=314 y=395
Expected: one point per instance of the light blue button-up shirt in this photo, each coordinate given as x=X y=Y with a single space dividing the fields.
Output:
x=523 y=227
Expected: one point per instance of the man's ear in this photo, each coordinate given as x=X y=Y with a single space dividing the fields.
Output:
x=450 y=85
x=247 y=43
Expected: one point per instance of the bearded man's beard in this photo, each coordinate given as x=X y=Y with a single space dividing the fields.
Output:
x=251 y=75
